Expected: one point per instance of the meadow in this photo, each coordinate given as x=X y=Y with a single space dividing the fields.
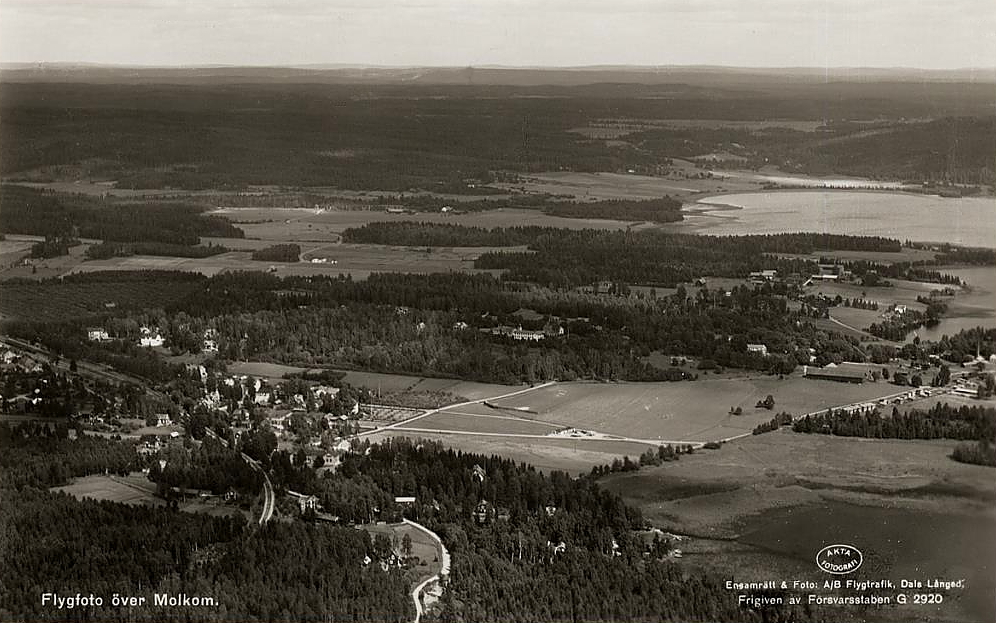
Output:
x=688 y=412
x=760 y=507
x=137 y=489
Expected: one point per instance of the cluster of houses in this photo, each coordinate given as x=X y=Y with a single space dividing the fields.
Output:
x=152 y=337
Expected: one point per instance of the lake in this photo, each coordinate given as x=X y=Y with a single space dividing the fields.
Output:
x=969 y=221
x=974 y=308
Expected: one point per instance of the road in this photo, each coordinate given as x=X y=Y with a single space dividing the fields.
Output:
x=444 y=570
x=269 y=497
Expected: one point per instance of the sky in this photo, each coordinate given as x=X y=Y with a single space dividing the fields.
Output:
x=930 y=34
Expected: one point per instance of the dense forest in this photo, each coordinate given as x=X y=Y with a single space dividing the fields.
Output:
x=442 y=325
x=571 y=258
x=412 y=233
x=38 y=458
x=54 y=543
x=454 y=138
x=502 y=529
x=663 y=210
x=30 y=211
x=278 y=253
x=108 y=249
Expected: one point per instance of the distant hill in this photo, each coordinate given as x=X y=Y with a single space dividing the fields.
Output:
x=706 y=76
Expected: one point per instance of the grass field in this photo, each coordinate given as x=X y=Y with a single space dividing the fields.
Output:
x=597 y=186
x=463 y=420
x=688 y=411
x=292 y=224
x=422 y=546
x=548 y=454
x=384 y=383
x=709 y=490
x=132 y=489
x=137 y=489
x=760 y=507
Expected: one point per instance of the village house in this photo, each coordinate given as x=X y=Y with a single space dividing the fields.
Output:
x=758 y=349
x=304 y=502
x=97 y=334
x=762 y=276
x=150 y=338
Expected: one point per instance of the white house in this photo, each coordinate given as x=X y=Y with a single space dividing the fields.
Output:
x=760 y=349
x=97 y=334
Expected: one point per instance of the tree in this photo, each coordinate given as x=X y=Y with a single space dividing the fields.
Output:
x=406 y=546
x=943 y=377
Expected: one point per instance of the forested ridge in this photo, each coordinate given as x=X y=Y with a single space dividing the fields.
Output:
x=393 y=137
x=412 y=323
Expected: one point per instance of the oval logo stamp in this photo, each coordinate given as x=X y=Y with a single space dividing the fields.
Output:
x=839 y=559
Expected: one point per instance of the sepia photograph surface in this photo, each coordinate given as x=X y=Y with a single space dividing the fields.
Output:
x=494 y=311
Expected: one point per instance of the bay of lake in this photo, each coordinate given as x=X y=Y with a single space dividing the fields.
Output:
x=968 y=221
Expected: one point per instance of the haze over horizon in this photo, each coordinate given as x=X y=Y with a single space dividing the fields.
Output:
x=838 y=34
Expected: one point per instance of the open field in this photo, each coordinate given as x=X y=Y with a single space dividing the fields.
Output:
x=761 y=507
x=687 y=411
x=463 y=420
x=880 y=257
x=136 y=489
x=597 y=186
x=297 y=224
x=132 y=489
x=359 y=261
x=548 y=454
x=707 y=492
x=422 y=546
x=379 y=382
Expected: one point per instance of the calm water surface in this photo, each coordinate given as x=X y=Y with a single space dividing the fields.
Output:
x=969 y=221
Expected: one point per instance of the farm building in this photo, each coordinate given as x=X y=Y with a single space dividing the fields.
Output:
x=841 y=374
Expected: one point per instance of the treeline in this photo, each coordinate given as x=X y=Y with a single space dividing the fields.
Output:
x=662 y=210
x=210 y=466
x=965 y=344
x=942 y=421
x=566 y=258
x=781 y=419
x=39 y=213
x=981 y=453
x=278 y=253
x=108 y=249
x=442 y=325
x=44 y=457
x=412 y=233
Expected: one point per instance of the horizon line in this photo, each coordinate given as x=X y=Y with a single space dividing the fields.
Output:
x=595 y=67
